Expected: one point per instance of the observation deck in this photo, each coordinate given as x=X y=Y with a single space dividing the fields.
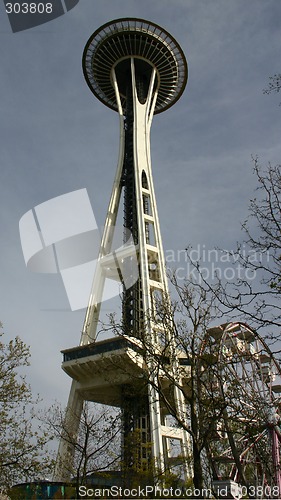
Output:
x=112 y=46
x=103 y=368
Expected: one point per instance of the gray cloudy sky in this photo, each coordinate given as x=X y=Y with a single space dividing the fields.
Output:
x=56 y=138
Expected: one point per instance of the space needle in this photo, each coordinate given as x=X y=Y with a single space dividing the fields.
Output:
x=137 y=69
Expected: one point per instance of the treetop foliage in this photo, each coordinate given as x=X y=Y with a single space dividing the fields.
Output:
x=22 y=443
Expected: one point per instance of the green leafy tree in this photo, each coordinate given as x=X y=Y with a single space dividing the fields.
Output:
x=23 y=453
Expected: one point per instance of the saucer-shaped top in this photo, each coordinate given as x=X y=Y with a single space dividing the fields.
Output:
x=114 y=43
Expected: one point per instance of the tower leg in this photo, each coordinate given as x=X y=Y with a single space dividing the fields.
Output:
x=64 y=469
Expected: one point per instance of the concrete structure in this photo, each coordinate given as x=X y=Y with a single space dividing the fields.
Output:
x=137 y=69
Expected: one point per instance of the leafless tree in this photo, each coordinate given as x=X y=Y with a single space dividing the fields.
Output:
x=254 y=292
x=183 y=334
x=224 y=414
x=274 y=84
x=97 y=446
